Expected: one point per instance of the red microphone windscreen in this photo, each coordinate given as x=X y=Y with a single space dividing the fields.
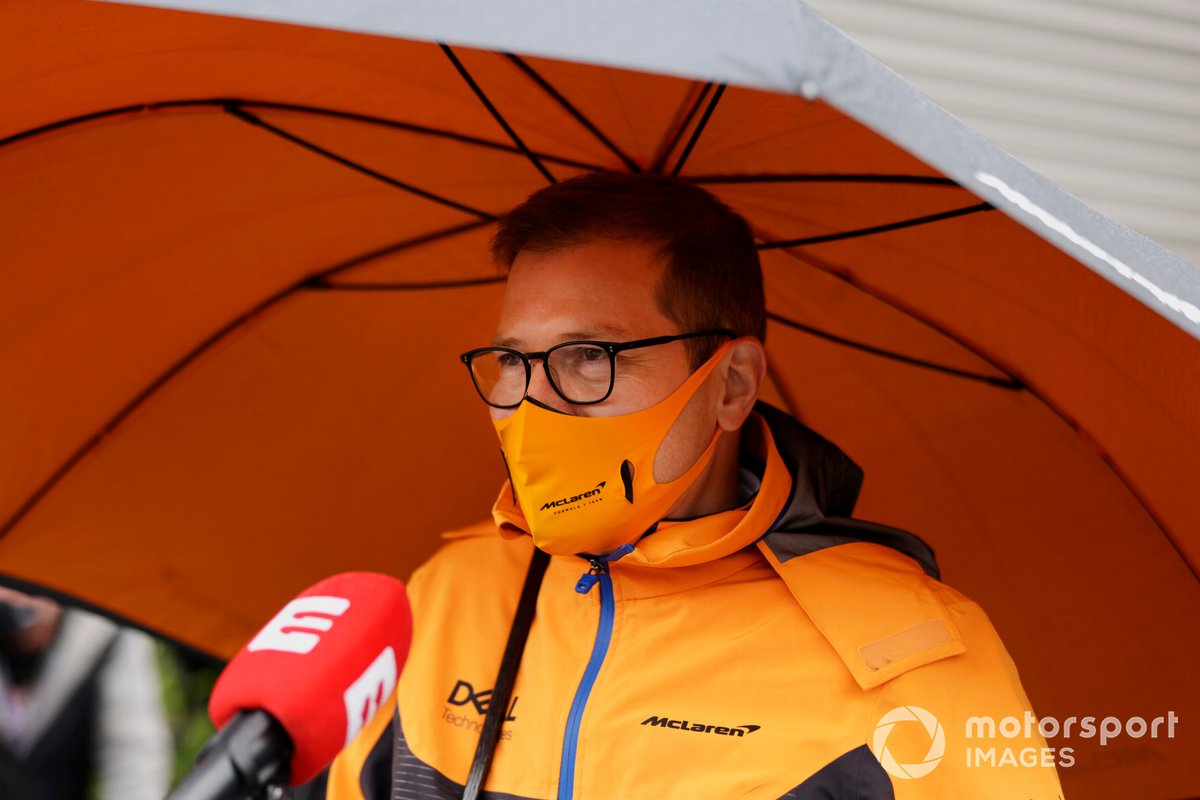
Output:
x=323 y=666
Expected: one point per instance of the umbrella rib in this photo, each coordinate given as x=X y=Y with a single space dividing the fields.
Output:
x=324 y=285
x=823 y=177
x=69 y=121
x=677 y=133
x=695 y=137
x=422 y=129
x=991 y=380
x=250 y=119
x=303 y=109
x=141 y=397
x=908 y=312
x=1128 y=485
x=404 y=244
x=487 y=103
x=1024 y=387
x=891 y=226
x=570 y=108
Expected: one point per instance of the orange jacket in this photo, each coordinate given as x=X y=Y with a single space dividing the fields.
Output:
x=775 y=650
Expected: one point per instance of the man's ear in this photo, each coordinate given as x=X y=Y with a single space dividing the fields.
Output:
x=744 y=370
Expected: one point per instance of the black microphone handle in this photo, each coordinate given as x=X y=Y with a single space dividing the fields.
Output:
x=247 y=756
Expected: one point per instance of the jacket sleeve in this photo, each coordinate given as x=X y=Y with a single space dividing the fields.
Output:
x=949 y=718
x=978 y=737
x=363 y=770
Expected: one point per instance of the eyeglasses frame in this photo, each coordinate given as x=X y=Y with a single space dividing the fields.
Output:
x=612 y=348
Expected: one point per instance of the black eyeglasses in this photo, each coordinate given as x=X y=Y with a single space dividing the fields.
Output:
x=582 y=373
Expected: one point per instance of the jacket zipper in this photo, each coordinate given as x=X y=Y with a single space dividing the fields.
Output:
x=598 y=574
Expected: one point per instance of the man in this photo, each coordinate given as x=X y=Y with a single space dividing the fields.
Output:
x=710 y=623
x=81 y=711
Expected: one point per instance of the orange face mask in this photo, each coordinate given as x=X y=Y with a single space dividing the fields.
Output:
x=586 y=484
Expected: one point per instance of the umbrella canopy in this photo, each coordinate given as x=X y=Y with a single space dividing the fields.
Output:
x=241 y=256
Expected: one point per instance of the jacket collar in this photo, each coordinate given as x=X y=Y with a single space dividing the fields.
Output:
x=826 y=483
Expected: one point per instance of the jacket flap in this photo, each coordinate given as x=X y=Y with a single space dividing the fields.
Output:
x=875 y=606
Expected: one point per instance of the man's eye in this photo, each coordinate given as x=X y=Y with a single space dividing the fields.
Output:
x=580 y=361
x=582 y=357
x=590 y=354
x=508 y=360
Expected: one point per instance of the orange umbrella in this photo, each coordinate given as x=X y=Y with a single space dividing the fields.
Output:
x=240 y=257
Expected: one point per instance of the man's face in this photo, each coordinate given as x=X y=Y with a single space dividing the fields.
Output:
x=605 y=290
x=39 y=617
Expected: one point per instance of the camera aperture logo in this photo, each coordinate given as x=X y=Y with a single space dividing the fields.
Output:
x=937 y=742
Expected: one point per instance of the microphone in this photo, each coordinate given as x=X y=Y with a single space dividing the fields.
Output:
x=303 y=687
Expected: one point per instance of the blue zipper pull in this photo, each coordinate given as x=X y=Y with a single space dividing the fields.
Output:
x=591 y=577
x=599 y=567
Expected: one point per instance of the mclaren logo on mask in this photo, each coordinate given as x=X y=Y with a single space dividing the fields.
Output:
x=567 y=503
x=697 y=727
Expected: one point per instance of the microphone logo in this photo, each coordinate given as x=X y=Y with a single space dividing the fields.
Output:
x=364 y=697
x=298 y=627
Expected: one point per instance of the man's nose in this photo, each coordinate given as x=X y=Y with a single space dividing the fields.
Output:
x=541 y=390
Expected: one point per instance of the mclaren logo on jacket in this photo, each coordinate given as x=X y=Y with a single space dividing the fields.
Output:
x=697 y=727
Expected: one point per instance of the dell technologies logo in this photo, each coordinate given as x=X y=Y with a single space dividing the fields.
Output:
x=464 y=693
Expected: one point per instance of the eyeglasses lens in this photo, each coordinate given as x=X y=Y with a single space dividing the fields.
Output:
x=500 y=376
x=582 y=374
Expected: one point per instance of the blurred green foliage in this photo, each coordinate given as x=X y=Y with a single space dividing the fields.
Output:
x=187 y=681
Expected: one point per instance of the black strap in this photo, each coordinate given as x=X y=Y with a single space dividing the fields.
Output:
x=507 y=676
